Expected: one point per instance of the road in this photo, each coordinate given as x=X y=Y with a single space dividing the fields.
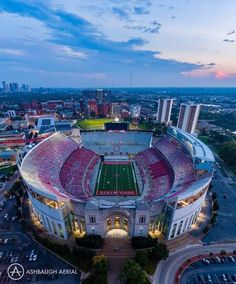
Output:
x=166 y=270
x=224 y=230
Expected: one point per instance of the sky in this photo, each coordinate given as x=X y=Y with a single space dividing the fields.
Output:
x=118 y=43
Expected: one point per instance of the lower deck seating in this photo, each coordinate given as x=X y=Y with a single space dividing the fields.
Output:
x=76 y=173
x=178 y=159
x=156 y=171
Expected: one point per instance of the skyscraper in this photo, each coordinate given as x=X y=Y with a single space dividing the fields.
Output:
x=93 y=107
x=188 y=117
x=164 y=110
x=14 y=87
x=6 y=87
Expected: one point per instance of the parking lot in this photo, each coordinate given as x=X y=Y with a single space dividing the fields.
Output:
x=40 y=266
x=215 y=270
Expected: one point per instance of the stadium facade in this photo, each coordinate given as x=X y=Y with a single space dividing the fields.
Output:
x=77 y=185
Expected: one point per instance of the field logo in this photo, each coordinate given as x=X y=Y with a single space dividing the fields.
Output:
x=15 y=271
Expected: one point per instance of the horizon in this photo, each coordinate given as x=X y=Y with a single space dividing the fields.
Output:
x=132 y=88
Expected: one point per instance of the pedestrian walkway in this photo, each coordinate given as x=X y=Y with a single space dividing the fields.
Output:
x=117 y=251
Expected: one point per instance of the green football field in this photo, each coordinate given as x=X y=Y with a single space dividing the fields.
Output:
x=116 y=179
x=89 y=124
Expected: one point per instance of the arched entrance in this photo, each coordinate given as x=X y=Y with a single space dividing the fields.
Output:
x=117 y=226
x=116 y=234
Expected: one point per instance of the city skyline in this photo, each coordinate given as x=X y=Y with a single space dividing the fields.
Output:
x=103 y=43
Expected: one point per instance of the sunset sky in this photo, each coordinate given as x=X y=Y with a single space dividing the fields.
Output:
x=98 y=43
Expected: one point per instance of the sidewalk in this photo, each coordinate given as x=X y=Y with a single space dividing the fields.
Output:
x=117 y=251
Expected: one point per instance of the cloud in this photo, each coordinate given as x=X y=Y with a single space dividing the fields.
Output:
x=71 y=36
x=209 y=65
x=121 y=13
x=69 y=52
x=205 y=73
x=231 y=32
x=229 y=40
x=152 y=28
x=166 y=6
x=11 y=51
x=141 y=10
x=220 y=74
x=136 y=42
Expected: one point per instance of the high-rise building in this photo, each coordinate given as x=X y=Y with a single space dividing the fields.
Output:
x=99 y=94
x=164 y=110
x=14 y=87
x=6 y=87
x=188 y=117
x=135 y=111
x=25 y=88
x=104 y=109
x=93 y=107
x=115 y=109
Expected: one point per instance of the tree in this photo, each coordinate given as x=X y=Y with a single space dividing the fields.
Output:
x=206 y=229
x=90 y=241
x=100 y=263
x=215 y=205
x=214 y=196
x=204 y=133
x=160 y=251
x=141 y=258
x=143 y=242
x=228 y=153
x=223 y=252
x=132 y=273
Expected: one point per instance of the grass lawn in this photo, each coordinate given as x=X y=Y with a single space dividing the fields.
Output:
x=204 y=139
x=88 y=124
x=8 y=170
x=116 y=179
x=98 y=123
x=150 y=267
x=145 y=126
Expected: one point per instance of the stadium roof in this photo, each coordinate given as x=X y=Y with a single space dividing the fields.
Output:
x=197 y=148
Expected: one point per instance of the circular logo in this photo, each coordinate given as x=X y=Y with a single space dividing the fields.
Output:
x=15 y=271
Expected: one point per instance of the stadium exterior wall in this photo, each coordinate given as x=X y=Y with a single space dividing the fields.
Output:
x=185 y=217
x=53 y=220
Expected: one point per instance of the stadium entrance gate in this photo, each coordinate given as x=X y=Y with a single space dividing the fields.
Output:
x=117 y=225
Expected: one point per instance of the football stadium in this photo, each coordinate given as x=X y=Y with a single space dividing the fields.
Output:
x=95 y=182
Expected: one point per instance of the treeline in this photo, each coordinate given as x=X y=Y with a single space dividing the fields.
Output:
x=227 y=152
x=225 y=120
